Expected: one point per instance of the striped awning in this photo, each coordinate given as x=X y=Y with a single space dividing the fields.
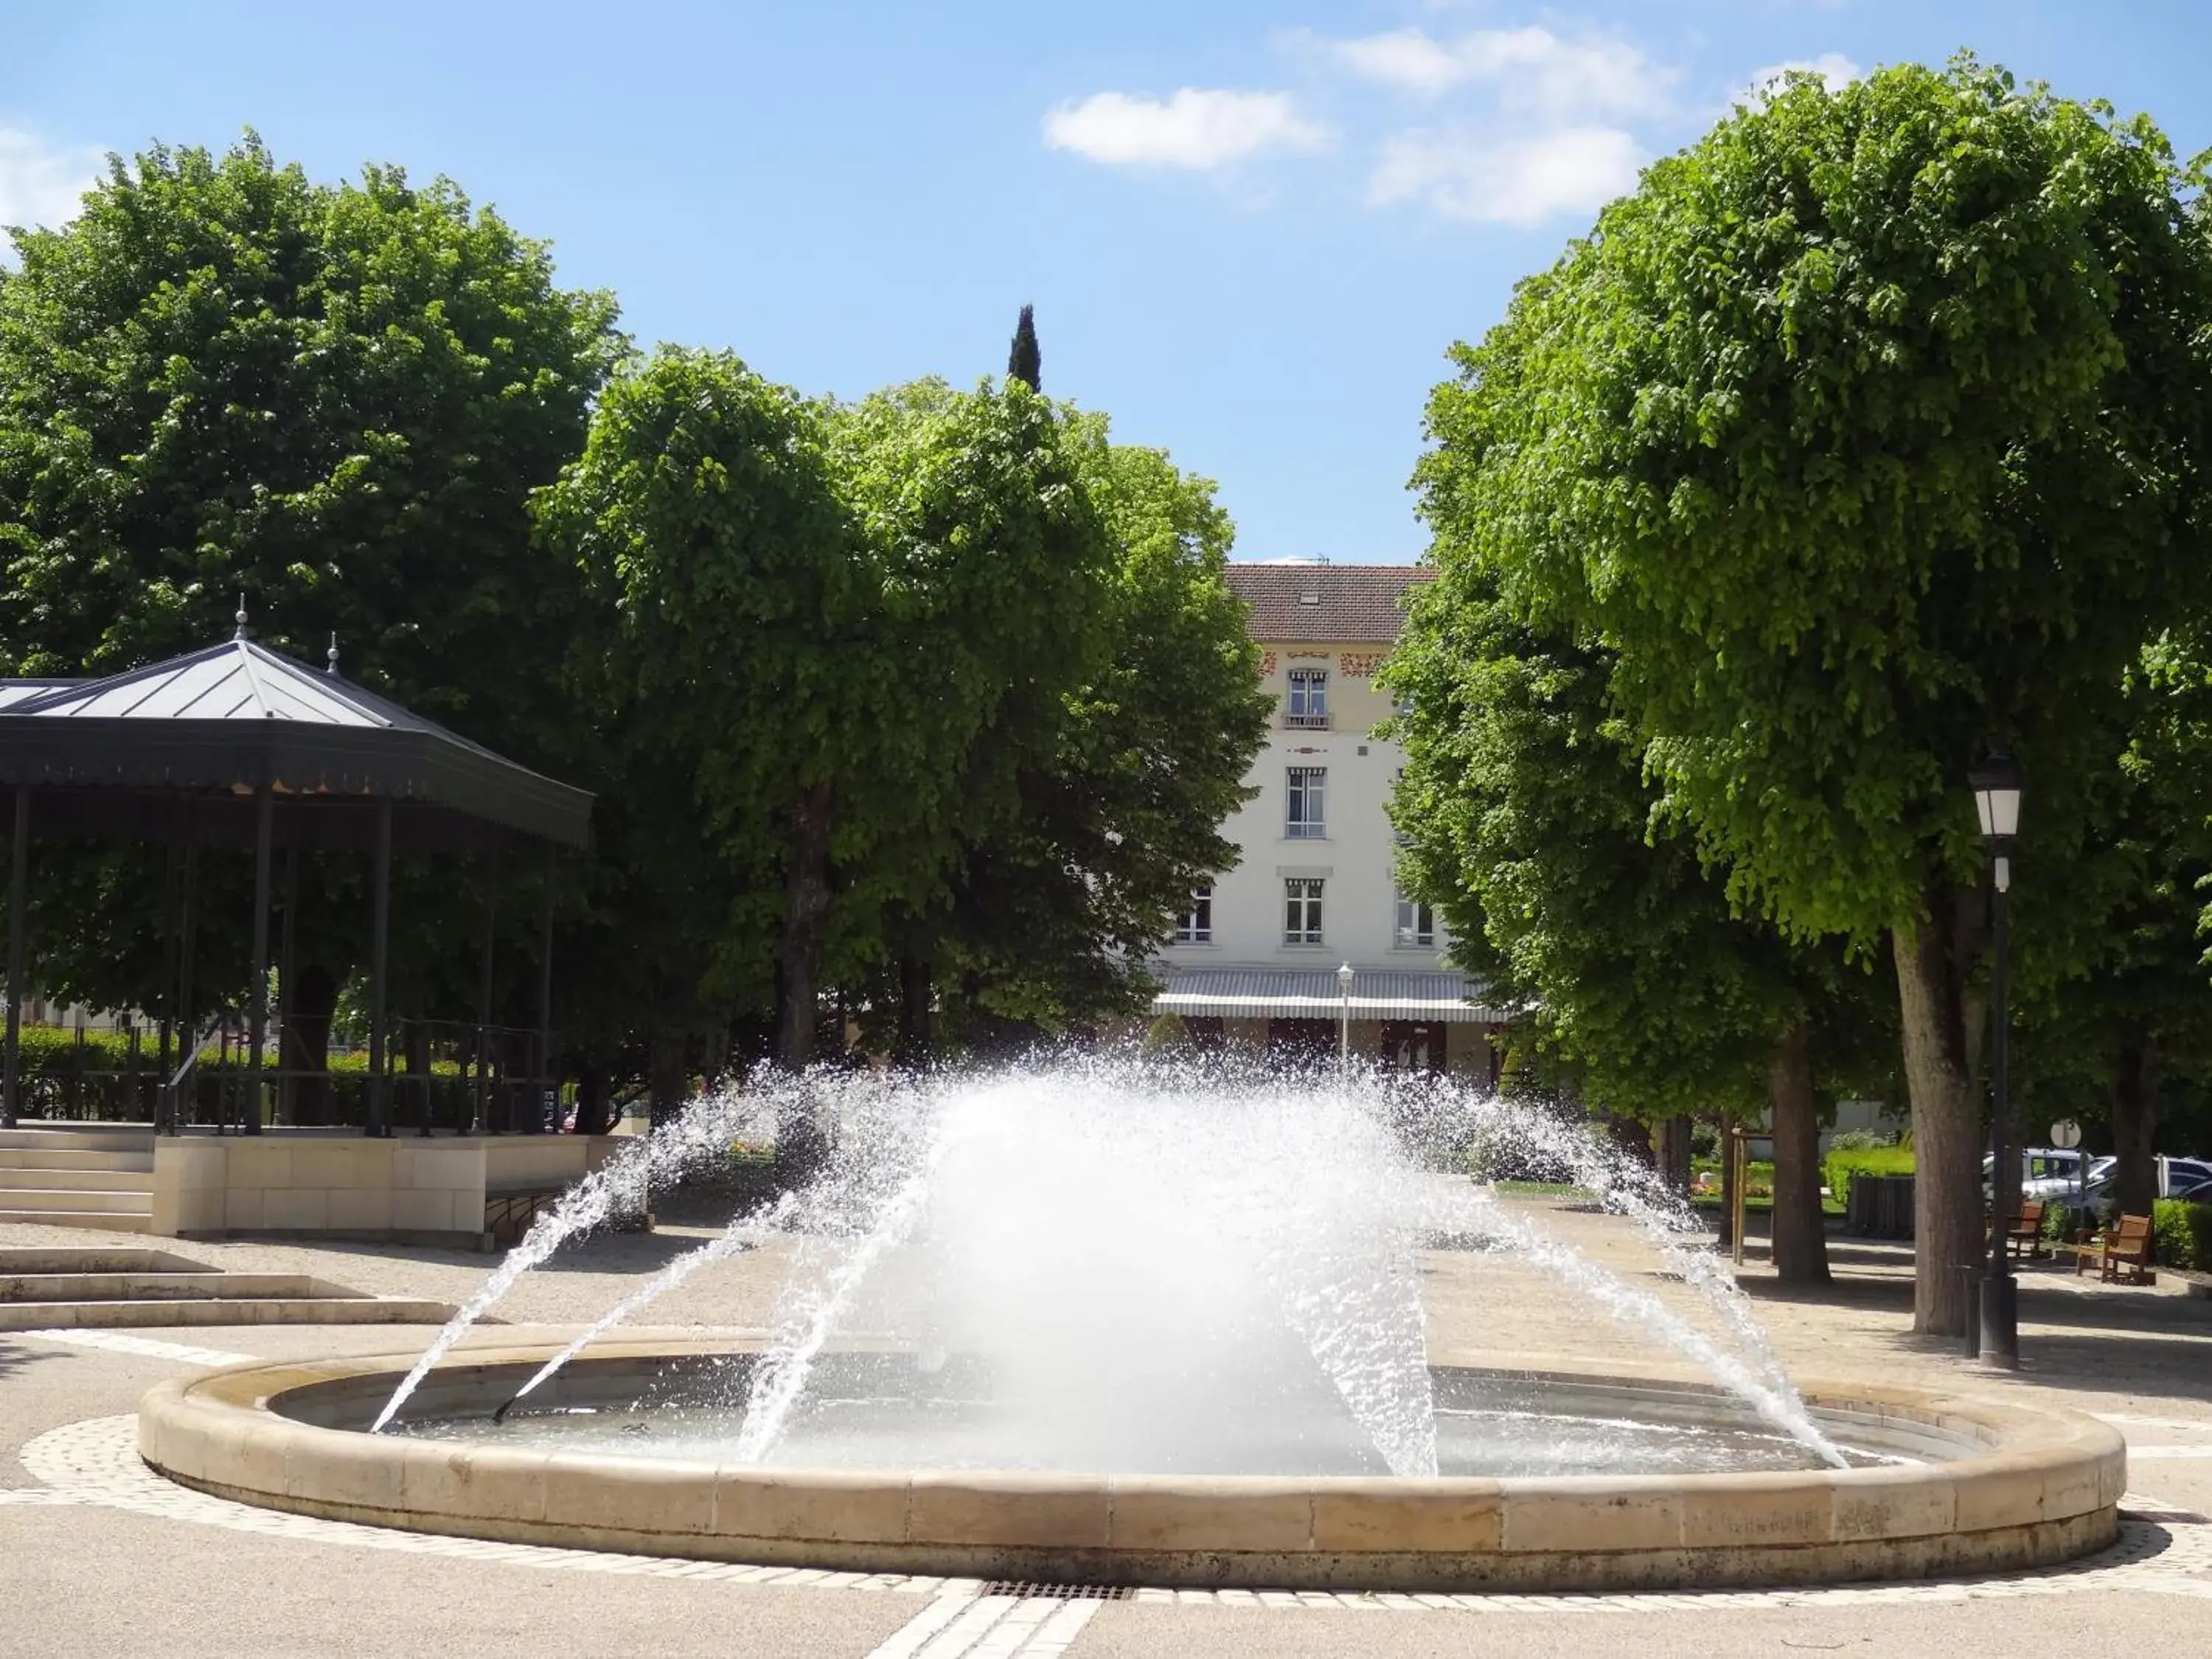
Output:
x=1304 y=993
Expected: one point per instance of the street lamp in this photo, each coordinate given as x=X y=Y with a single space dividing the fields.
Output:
x=1997 y=784
x=1344 y=978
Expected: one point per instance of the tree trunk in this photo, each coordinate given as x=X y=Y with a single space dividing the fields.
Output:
x=1727 y=1239
x=1633 y=1136
x=307 y=1040
x=593 y=1098
x=914 y=983
x=668 y=1076
x=1674 y=1140
x=1940 y=1051
x=2134 y=1117
x=418 y=1068
x=1799 y=1230
x=806 y=909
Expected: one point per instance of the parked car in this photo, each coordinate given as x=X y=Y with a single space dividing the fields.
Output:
x=2049 y=1172
x=2177 y=1177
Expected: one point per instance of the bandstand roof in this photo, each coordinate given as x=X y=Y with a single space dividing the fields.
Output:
x=116 y=757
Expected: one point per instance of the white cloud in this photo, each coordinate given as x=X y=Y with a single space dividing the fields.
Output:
x=1407 y=59
x=39 y=182
x=1832 y=67
x=1530 y=71
x=1517 y=180
x=1201 y=128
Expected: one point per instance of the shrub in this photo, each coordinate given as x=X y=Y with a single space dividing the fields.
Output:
x=2061 y=1221
x=1842 y=1163
x=1857 y=1141
x=1166 y=1034
x=2181 y=1234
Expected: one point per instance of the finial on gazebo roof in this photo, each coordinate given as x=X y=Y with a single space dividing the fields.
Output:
x=240 y=620
x=331 y=656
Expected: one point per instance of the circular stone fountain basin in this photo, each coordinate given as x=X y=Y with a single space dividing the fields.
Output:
x=1944 y=1484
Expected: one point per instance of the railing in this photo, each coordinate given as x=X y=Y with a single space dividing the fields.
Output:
x=482 y=1080
x=1306 y=722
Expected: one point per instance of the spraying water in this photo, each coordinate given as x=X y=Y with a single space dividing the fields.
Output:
x=702 y=1131
x=744 y=1234
x=779 y=1379
x=1145 y=1266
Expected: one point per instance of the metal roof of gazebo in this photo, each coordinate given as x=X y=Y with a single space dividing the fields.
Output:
x=111 y=756
x=222 y=747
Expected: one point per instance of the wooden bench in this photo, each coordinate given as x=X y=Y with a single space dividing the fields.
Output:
x=2122 y=1254
x=2025 y=1237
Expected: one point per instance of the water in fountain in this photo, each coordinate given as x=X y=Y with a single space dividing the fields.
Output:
x=699 y=1135
x=1105 y=1264
x=745 y=1233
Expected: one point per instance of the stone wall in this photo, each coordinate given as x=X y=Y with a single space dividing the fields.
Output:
x=405 y=1186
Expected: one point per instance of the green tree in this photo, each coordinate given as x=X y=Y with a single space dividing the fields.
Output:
x=1120 y=803
x=1866 y=432
x=1527 y=821
x=1024 y=362
x=844 y=621
x=2118 y=1026
x=224 y=378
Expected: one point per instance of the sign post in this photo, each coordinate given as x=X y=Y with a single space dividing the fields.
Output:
x=2066 y=1135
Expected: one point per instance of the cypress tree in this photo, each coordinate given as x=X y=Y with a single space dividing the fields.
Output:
x=1023 y=363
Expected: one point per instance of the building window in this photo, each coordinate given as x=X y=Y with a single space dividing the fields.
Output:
x=1309 y=703
x=1305 y=820
x=1195 y=925
x=1301 y=911
x=1417 y=922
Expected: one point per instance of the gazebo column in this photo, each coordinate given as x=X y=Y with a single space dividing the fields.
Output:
x=181 y=1110
x=380 y=1119
x=476 y=1124
x=288 y=1061
x=18 y=886
x=537 y=1116
x=265 y=810
x=172 y=884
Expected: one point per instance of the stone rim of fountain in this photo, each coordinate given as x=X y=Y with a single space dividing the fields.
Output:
x=2034 y=1486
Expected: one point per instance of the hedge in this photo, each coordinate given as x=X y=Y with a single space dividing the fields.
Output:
x=2181 y=1234
x=53 y=1051
x=1840 y=1165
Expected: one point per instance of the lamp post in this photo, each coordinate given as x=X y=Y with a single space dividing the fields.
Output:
x=1997 y=784
x=1344 y=978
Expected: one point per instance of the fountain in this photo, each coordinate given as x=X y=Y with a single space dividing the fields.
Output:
x=1116 y=1321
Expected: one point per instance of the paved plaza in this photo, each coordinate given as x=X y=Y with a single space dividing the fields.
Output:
x=102 y=1557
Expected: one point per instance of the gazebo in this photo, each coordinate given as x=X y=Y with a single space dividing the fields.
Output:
x=238 y=746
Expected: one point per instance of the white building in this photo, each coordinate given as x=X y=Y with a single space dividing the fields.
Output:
x=1257 y=958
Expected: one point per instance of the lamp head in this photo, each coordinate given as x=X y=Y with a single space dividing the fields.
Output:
x=1997 y=783
x=1344 y=976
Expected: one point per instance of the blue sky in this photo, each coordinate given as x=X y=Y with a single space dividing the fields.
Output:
x=1250 y=230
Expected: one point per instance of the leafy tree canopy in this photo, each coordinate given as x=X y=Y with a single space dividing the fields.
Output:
x=1869 y=429
x=222 y=378
x=1527 y=821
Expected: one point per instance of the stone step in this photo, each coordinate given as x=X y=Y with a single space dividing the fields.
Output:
x=47 y=1157
x=140 y=1203
x=125 y=1138
x=223 y=1310
x=108 y=1220
x=157 y=1286
x=81 y=1181
x=96 y=1259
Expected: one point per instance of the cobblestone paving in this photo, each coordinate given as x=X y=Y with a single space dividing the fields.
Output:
x=2160 y=1550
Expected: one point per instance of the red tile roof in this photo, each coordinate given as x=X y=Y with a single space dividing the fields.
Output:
x=1326 y=602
